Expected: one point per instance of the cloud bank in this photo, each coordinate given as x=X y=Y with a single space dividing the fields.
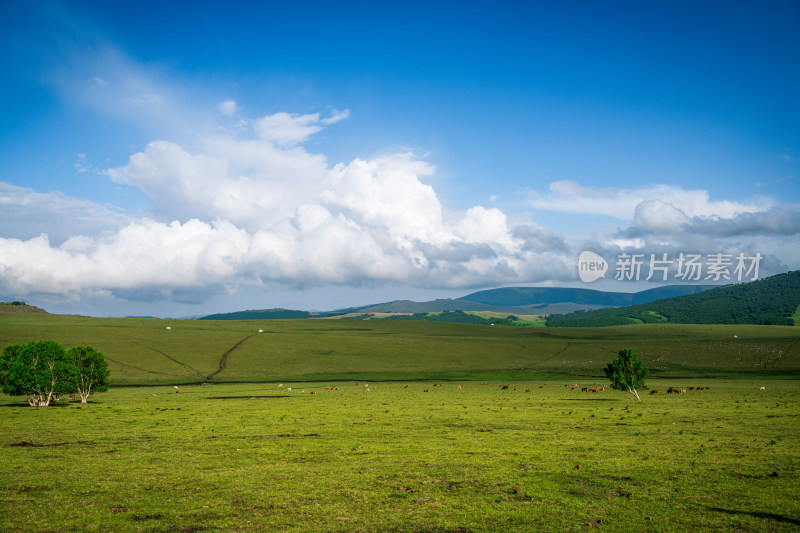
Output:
x=254 y=207
x=250 y=206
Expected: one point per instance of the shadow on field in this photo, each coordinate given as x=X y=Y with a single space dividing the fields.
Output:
x=54 y=405
x=245 y=397
x=758 y=514
x=592 y=399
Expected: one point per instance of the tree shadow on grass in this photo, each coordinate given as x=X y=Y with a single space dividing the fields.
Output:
x=593 y=399
x=758 y=514
x=53 y=405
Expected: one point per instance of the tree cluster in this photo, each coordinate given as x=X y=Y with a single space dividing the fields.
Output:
x=42 y=371
x=458 y=317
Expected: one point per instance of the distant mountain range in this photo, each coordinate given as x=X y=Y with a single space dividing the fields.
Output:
x=515 y=300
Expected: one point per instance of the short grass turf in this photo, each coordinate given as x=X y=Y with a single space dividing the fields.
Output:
x=406 y=456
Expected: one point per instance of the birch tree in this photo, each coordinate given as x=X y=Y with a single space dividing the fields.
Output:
x=627 y=372
x=91 y=371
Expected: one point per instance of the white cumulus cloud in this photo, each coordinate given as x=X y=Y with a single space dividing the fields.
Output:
x=258 y=208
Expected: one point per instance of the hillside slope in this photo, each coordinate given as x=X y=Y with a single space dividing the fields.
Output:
x=144 y=351
x=772 y=300
x=14 y=308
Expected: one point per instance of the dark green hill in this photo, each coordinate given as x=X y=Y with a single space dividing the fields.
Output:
x=259 y=314
x=541 y=296
x=772 y=300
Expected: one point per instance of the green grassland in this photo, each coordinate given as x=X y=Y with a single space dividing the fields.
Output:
x=143 y=351
x=248 y=457
x=435 y=445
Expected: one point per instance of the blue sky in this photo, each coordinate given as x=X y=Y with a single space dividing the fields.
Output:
x=184 y=158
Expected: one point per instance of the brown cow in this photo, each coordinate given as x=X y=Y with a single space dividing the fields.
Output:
x=527 y=390
x=654 y=391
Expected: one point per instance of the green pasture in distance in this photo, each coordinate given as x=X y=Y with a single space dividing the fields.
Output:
x=143 y=351
x=255 y=457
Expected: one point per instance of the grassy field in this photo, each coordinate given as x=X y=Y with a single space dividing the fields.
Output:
x=143 y=351
x=245 y=457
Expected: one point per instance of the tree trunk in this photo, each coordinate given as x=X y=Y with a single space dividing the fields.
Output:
x=632 y=390
x=84 y=394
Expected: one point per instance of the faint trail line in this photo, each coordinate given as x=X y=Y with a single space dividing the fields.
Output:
x=173 y=359
x=556 y=354
x=136 y=367
x=224 y=360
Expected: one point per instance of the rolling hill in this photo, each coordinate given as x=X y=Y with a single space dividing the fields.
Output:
x=770 y=301
x=14 y=308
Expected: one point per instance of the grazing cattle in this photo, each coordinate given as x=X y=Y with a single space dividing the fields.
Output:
x=573 y=388
x=405 y=387
x=153 y=394
x=279 y=386
x=426 y=390
x=527 y=390
x=689 y=388
x=763 y=388
x=596 y=389
x=672 y=389
x=584 y=389
x=459 y=387
x=176 y=389
x=313 y=392
x=654 y=391
x=72 y=396
x=504 y=387
x=289 y=389
x=683 y=391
